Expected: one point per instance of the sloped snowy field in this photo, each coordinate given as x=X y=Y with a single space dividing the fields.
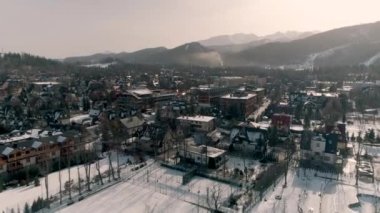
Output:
x=17 y=197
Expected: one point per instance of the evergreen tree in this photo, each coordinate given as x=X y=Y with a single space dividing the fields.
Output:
x=273 y=136
x=353 y=137
x=371 y=135
x=26 y=208
x=1 y=184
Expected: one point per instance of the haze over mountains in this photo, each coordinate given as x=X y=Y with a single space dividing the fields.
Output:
x=241 y=38
x=352 y=45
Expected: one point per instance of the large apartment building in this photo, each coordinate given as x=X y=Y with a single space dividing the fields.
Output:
x=19 y=154
x=238 y=104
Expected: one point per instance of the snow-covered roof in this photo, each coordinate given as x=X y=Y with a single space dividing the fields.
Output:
x=262 y=125
x=297 y=128
x=14 y=138
x=211 y=151
x=36 y=144
x=79 y=118
x=141 y=91
x=234 y=132
x=132 y=122
x=61 y=139
x=254 y=136
x=244 y=97
x=46 y=83
x=6 y=151
x=199 y=118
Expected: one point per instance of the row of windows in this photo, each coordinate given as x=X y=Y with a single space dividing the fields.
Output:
x=18 y=154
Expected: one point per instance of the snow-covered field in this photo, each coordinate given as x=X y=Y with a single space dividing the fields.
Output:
x=154 y=189
x=362 y=126
x=325 y=193
x=17 y=197
x=307 y=193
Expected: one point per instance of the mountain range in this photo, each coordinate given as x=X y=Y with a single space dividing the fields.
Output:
x=351 y=45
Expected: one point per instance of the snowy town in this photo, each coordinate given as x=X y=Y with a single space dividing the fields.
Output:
x=235 y=144
x=189 y=106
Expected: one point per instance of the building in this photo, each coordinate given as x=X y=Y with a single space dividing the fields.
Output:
x=238 y=104
x=203 y=155
x=208 y=95
x=133 y=124
x=4 y=153
x=260 y=92
x=282 y=122
x=338 y=129
x=198 y=122
x=143 y=98
x=319 y=149
x=230 y=81
x=173 y=109
x=30 y=151
x=249 y=139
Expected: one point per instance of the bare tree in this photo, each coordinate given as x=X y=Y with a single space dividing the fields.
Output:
x=87 y=168
x=358 y=154
x=117 y=136
x=110 y=167
x=69 y=173
x=97 y=165
x=77 y=162
x=288 y=158
x=59 y=176
x=214 y=196
x=47 y=179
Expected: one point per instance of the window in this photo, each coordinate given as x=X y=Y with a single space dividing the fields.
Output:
x=317 y=145
x=28 y=160
x=53 y=153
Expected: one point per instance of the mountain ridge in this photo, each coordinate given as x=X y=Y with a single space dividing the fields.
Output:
x=351 y=45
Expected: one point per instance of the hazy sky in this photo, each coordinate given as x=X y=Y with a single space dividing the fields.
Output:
x=60 y=28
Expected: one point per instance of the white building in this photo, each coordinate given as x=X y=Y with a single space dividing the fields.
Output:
x=198 y=122
x=318 y=151
x=203 y=155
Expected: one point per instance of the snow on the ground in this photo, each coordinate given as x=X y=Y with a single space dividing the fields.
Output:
x=309 y=193
x=128 y=197
x=153 y=189
x=306 y=192
x=362 y=126
x=17 y=197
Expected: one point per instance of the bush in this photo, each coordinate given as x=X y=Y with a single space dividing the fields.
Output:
x=2 y=187
x=36 y=181
x=39 y=204
x=26 y=208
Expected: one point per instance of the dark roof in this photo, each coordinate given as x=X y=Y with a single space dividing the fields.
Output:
x=331 y=143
